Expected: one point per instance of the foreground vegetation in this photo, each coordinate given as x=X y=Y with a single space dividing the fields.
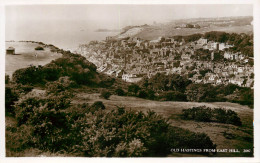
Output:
x=51 y=124
x=206 y=114
x=179 y=88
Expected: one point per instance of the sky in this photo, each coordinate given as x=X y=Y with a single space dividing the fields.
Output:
x=118 y=16
x=69 y=25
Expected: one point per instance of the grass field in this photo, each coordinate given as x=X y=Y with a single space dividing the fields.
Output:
x=239 y=137
x=167 y=31
x=25 y=56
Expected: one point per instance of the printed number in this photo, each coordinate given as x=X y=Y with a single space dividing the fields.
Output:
x=246 y=150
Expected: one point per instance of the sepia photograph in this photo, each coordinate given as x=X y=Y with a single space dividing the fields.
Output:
x=129 y=80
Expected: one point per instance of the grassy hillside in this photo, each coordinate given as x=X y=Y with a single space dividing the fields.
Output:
x=173 y=28
x=168 y=31
x=225 y=136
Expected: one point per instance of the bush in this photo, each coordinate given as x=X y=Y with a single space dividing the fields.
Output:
x=175 y=96
x=12 y=93
x=205 y=114
x=123 y=133
x=31 y=75
x=7 y=79
x=151 y=95
x=76 y=67
x=142 y=94
x=183 y=138
x=10 y=97
x=26 y=107
x=39 y=48
x=18 y=139
x=91 y=131
x=51 y=123
x=133 y=88
x=105 y=94
x=98 y=105
x=120 y=92
x=162 y=82
x=64 y=83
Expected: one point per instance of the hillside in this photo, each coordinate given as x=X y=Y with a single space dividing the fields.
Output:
x=181 y=27
x=241 y=136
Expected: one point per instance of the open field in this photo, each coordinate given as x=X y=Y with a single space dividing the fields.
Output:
x=25 y=56
x=239 y=137
x=151 y=33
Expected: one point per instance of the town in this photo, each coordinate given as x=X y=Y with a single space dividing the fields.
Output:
x=202 y=61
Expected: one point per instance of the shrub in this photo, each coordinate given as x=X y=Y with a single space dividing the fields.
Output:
x=97 y=133
x=126 y=133
x=120 y=92
x=51 y=129
x=183 y=138
x=50 y=121
x=39 y=48
x=133 y=88
x=97 y=106
x=7 y=79
x=10 y=97
x=30 y=75
x=122 y=133
x=77 y=111
x=64 y=83
x=12 y=93
x=106 y=81
x=18 y=139
x=151 y=95
x=105 y=94
x=142 y=94
x=205 y=114
x=175 y=96
x=24 y=109
x=76 y=67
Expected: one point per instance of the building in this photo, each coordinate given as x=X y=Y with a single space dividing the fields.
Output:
x=132 y=78
x=222 y=46
x=202 y=41
x=10 y=50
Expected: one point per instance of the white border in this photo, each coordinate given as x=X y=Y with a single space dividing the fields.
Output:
x=2 y=81
x=256 y=4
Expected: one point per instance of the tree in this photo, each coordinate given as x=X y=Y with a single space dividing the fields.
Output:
x=203 y=72
x=10 y=97
x=7 y=79
x=142 y=94
x=120 y=92
x=105 y=94
x=39 y=48
x=175 y=96
x=252 y=75
x=97 y=105
x=133 y=88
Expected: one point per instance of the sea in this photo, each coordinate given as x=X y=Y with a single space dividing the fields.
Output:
x=66 y=36
x=72 y=40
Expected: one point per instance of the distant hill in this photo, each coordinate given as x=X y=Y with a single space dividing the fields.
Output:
x=190 y=26
x=108 y=30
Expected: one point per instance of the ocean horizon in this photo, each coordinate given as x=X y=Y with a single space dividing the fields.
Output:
x=66 y=39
